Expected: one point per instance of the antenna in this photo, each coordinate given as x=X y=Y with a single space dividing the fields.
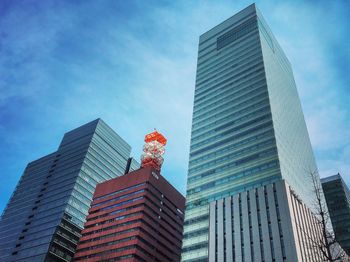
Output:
x=153 y=150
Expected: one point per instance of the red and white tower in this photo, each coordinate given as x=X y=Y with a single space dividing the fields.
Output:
x=153 y=150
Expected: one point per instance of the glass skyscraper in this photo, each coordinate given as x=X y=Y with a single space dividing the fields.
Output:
x=337 y=196
x=44 y=217
x=248 y=129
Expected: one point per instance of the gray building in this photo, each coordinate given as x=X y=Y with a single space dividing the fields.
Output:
x=268 y=223
x=44 y=216
x=337 y=196
x=248 y=134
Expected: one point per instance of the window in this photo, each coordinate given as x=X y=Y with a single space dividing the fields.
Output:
x=236 y=33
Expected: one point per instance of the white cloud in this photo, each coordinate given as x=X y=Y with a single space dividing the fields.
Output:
x=138 y=72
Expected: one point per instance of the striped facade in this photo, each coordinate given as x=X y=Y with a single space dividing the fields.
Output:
x=46 y=213
x=268 y=223
x=136 y=217
x=248 y=128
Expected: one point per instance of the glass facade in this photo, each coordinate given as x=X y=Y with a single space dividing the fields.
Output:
x=248 y=128
x=337 y=196
x=44 y=217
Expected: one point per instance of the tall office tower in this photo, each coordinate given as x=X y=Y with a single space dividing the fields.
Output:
x=337 y=196
x=250 y=153
x=45 y=215
x=135 y=217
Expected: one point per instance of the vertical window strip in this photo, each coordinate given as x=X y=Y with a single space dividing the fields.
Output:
x=269 y=223
x=233 y=231
x=279 y=221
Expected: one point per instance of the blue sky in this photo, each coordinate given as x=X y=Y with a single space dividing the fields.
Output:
x=133 y=63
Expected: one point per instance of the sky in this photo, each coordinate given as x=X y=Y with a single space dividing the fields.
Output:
x=133 y=64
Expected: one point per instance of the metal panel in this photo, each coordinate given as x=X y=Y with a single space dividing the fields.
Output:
x=228 y=229
x=300 y=225
x=264 y=225
x=274 y=223
x=255 y=226
x=286 y=212
x=212 y=231
x=237 y=227
x=220 y=233
x=240 y=213
x=245 y=226
x=307 y=232
x=296 y=218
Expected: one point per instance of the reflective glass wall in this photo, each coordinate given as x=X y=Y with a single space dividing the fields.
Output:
x=248 y=128
x=55 y=192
